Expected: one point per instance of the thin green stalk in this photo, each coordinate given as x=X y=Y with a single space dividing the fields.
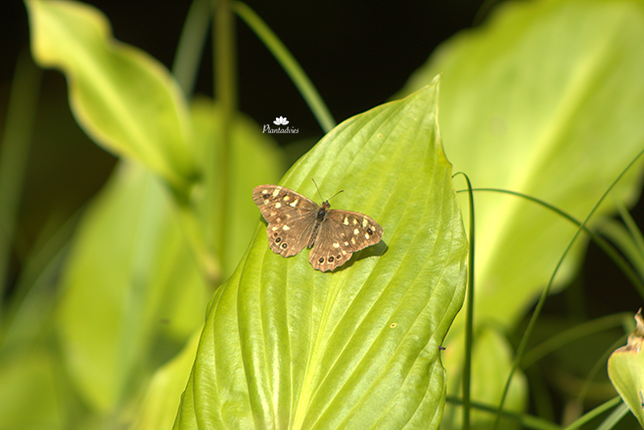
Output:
x=615 y=417
x=588 y=416
x=600 y=364
x=615 y=256
x=567 y=336
x=537 y=312
x=288 y=63
x=16 y=143
x=191 y=44
x=631 y=225
x=527 y=421
x=469 y=315
x=225 y=69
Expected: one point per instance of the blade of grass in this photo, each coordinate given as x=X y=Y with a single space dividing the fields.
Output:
x=469 y=313
x=191 y=44
x=631 y=225
x=611 y=420
x=567 y=336
x=225 y=79
x=599 y=365
x=612 y=253
x=527 y=421
x=596 y=412
x=16 y=143
x=545 y=292
x=288 y=63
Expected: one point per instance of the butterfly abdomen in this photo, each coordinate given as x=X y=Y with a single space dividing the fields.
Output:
x=319 y=219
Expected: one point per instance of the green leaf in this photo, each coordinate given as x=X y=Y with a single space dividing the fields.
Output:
x=626 y=370
x=492 y=359
x=547 y=99
x=162 y=398
x=30 y=394
x=124 y=99
x=285 y=346
x=131 y=291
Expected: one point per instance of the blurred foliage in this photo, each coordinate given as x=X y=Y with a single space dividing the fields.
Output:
x=101 y=327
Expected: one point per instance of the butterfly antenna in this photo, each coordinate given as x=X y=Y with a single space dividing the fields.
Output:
x=320 y=194
x=316 y=187
x=341 y=191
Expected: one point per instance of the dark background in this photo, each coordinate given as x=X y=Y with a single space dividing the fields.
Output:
x=357 y=54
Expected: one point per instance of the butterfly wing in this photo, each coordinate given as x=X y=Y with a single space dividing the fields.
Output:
x=341 y=234
x=290 y=217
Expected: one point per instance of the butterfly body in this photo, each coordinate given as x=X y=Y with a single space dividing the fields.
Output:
x=296 y=222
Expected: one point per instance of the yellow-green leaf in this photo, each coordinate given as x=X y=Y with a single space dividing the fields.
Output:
x=626 y=370
x=131 y=292
x=123 y=98
x=285 y=346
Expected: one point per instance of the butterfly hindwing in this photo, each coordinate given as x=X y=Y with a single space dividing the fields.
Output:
x=290 y=217
x=341 y=234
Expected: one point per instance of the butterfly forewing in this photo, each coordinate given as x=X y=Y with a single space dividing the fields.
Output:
x=290 y=217
x=341 y=234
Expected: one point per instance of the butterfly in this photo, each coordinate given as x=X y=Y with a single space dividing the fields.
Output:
x=295 y=222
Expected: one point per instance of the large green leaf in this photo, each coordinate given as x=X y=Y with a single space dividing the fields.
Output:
x=285 y=346
x=132 y=292
x=123 y=98
x=547 y=98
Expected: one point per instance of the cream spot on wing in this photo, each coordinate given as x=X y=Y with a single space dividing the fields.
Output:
x=356 y=231
x=286 y=228
x=353 y=240
x=366 y=236
x=345 y=221
x=336 y=245
x=364 y=222
x=277 y=191
x=278 y=205
x=273 y=228
x=294 y=203
x=346 y=243
x=264 y=191
x=286 y=198
x=344 y=252
x=273 y=213
x=355 y=221
x=266 y=202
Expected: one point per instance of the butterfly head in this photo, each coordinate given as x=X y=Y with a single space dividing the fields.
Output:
x=323 y=210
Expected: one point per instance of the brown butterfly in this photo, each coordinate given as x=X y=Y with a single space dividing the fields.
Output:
x=295 y=221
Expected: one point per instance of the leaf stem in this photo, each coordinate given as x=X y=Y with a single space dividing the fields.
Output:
x=225 y=69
